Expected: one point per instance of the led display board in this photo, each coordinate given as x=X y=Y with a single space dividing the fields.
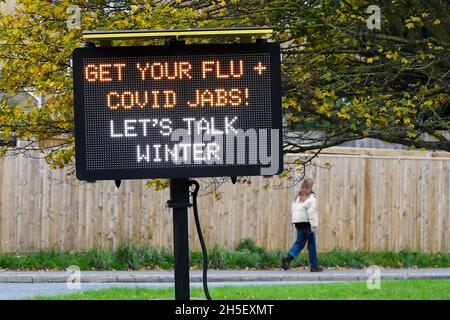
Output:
x=177 y=111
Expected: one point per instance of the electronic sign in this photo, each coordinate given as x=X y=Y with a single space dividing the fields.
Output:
x=177 y=111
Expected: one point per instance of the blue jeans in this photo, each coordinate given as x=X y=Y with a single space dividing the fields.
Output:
x=303 y=236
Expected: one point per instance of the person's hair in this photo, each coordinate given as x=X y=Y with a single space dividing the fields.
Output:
x=305 y=189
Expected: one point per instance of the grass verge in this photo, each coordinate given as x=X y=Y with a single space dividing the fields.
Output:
x=390 y=290
x=246 y=255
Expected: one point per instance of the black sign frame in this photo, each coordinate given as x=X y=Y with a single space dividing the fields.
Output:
x=173 y=172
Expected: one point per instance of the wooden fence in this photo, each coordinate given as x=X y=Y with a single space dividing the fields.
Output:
x=368 y=199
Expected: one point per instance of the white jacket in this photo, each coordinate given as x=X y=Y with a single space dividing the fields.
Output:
x=305 y=211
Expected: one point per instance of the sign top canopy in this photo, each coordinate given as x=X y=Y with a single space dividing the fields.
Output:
x=109 y=35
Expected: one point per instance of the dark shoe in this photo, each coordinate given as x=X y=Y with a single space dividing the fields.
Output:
x=315 y=269
x=285 y=261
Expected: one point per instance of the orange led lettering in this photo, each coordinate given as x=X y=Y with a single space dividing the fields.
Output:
x=138 y=101
x=159 y=73
x=102 y=72
x=221 y=97
x=207 y=97
x=167 y=71
x=260 y=68
x=155 y=95
x=219 y=75
x=206 y=68
x=236 y=69
x=238 y=74
x=119 y=67
x=235 y=97
x=246 y=96
x=141 y=99
x=143 y=70
x=170 y=98
x=197 y=100
x=90 y=72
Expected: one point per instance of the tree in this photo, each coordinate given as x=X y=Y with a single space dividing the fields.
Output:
x=339 y=78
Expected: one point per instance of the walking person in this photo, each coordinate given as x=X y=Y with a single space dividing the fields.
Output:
x=305 y=219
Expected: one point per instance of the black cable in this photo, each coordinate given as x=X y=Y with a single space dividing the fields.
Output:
x=200 y=236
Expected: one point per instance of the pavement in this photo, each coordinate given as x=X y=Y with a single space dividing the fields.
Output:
x=28 y=284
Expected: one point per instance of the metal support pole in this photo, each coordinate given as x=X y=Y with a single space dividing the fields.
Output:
x=179 y=201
